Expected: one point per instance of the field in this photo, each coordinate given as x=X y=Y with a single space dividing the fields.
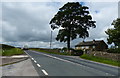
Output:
x=7 y=50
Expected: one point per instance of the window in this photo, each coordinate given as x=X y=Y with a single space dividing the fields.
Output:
x=87 y=47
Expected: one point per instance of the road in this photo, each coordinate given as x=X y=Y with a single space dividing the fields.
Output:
x=60 y=65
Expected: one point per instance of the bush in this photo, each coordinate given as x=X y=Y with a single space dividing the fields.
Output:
x=77 y=52
x=113 y=50
x=64 y=48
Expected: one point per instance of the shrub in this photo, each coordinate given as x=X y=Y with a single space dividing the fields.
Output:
x=64 y=48
x=77 y=52
x=113 y=50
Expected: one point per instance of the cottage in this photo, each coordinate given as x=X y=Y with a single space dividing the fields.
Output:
x=98 y=45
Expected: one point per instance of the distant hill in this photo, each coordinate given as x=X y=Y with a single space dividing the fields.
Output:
x=5 y=46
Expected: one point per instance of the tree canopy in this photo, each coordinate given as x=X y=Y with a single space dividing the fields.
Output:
x=75 y=20
x=114 y=33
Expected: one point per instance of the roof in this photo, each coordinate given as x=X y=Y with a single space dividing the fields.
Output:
x=89 y=43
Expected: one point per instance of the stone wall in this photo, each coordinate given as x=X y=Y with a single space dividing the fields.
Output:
x=113 y=56
x=51 y=50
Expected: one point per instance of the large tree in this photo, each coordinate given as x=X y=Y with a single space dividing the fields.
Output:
x=74 y=19
x=114 y=33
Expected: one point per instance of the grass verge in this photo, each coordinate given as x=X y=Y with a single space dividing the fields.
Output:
x=0 y=51
x=10 y=52
x=101 y=60
x=50 y=52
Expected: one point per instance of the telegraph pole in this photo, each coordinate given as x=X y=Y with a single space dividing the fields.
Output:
x=51 y=40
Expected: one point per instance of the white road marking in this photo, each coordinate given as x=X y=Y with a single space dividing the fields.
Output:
x=44 y=72
x=64 y=60
x=59 y=58
x=92 y=62
x=35 y=61
x=29 y=55
x=32 y=58
x=38 y=65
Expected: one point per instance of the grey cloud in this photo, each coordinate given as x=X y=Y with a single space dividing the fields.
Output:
x=119 y=9
x=28 y=28
x=28 y=23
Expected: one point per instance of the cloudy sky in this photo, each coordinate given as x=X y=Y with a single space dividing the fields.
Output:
x=27 y=23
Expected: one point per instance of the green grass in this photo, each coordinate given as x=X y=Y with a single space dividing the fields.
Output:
x=8 y=50
x=50 y=52
x=101 y=60
x=0 y=52
x=11 y=51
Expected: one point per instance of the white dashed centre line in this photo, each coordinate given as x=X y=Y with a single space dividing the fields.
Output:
x=32 y=58
x=38 y=65
x=35 y=61
x=44 y=72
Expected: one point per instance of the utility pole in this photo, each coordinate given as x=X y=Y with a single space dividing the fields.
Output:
x=51 y=40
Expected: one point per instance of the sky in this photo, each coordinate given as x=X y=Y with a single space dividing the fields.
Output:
x=27 y=23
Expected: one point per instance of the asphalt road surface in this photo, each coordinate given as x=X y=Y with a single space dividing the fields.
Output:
x=60 y=65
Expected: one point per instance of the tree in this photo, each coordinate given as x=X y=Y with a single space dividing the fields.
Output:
x=114 y=33
x=74 y=19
